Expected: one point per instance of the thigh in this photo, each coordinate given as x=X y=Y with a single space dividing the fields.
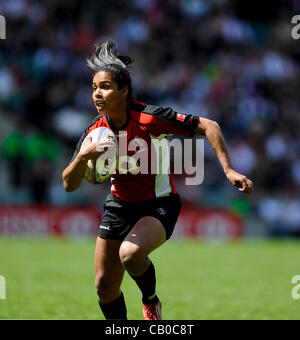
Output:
x=118 y=219
x=146 y=235
x=107 y=262
x=166 y=210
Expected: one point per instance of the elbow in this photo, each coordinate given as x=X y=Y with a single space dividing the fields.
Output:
x=70 y=183
x=212 y=125
x=68 y=188
x=206 y=126
x=66 y=185
x=212 y=128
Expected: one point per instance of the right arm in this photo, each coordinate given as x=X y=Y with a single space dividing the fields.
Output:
x=74 y=172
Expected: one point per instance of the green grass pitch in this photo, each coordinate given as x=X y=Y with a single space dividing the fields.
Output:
x=53 y=278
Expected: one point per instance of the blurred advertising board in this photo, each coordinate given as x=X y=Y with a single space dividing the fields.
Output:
x=212 y=224
x=48 y=220
x=74 y=221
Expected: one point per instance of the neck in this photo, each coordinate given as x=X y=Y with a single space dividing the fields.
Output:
x=119 y=116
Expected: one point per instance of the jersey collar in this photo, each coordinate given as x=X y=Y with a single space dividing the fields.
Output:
x=111 y=124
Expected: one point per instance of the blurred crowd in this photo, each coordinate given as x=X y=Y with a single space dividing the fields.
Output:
x=231 y=61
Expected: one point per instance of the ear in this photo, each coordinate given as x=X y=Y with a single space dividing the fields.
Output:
x=124 y=90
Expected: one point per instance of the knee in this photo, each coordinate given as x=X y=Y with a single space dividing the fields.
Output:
x=101 y=284
x=130 y=255
x=105 y=289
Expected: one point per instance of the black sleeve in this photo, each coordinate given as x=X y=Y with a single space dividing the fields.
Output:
x=168 y=121
x=82 y=137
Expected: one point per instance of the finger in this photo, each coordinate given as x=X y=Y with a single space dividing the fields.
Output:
x=250 y=185
x=100 y=147
x=243 y=188
x=88 y=140
x=109 y=144
x=247 y=186
x=242 y=184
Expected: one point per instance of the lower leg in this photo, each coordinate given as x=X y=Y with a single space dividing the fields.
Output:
x=146 y=282
x=109 y=274
x=110 y=298
x=146 y=236
x=114 y=310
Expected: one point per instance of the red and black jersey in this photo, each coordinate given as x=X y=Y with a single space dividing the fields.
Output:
x=145 y=123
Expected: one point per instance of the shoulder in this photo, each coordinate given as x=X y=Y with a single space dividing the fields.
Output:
x=95 y=122
x=147 y=113
x=141 y=107
x=164 y=119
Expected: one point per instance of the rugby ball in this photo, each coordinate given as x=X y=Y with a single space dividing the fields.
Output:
x=99 y=170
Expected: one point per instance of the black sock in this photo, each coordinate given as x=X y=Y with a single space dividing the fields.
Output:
x=147 y=282
x=115 y=310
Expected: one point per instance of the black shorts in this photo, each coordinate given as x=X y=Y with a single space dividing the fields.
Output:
x=119 y=217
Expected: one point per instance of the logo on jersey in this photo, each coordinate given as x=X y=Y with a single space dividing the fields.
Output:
x=138 y=142
x=180 y=117
x=161 y=211
x=104 y=227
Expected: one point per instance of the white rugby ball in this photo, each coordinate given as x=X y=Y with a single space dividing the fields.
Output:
x=99 y=170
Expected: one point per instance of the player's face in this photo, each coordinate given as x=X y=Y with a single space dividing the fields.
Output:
x=106 y=93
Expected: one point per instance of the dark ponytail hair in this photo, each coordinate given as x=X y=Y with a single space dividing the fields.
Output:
x=105 y=58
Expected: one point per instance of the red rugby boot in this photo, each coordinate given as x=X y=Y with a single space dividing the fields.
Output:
x=152 y=312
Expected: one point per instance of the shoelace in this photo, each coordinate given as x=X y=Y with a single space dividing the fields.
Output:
x=151 y=312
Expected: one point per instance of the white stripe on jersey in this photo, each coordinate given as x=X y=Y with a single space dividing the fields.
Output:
x=162 y=185
x=162 y=178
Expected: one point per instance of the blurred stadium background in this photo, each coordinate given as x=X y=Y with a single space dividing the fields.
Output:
x=231 y=61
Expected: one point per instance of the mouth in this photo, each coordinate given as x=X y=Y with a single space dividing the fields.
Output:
x=99 y=105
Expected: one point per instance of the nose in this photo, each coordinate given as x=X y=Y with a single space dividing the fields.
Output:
x=98 y=93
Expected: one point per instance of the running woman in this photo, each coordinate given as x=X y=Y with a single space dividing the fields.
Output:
x=142 y=209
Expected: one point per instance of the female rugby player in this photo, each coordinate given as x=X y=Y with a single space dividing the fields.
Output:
x=141 y=211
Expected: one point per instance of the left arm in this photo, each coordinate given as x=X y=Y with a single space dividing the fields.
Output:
x=161 y=121
x=213 y=133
